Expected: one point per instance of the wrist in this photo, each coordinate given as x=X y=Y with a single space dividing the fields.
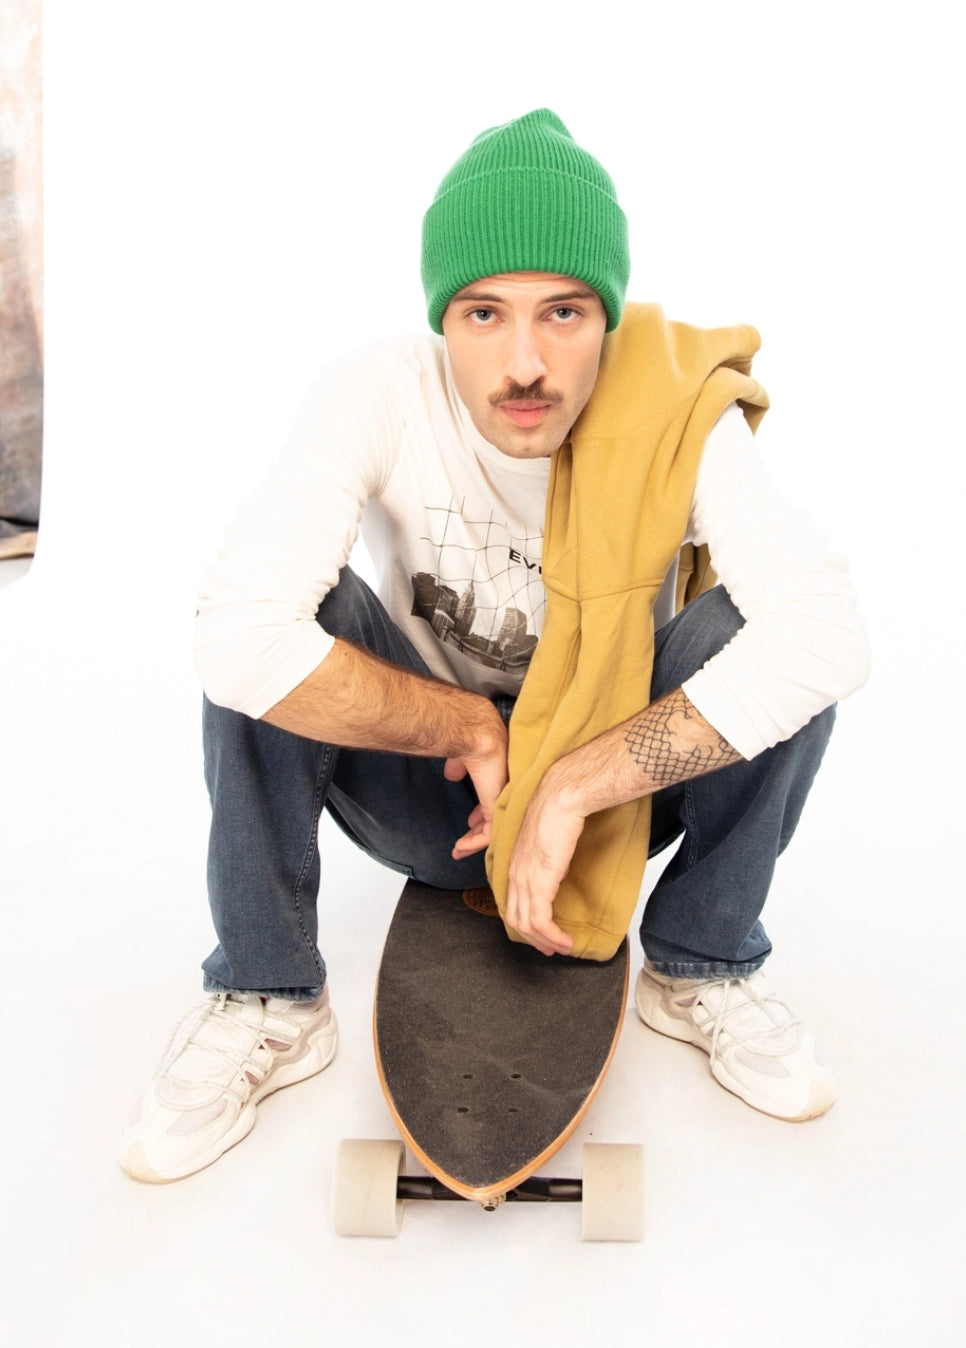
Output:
x=487 y=729
x=567 y=786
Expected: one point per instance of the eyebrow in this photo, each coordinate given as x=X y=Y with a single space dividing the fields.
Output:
x=484 y=296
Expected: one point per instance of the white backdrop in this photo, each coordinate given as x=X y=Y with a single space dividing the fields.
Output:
x=234 y=193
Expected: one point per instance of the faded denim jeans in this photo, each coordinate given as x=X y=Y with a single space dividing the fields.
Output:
x=268 y=788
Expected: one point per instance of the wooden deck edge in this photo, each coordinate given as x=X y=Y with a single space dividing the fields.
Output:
x=488 y=1192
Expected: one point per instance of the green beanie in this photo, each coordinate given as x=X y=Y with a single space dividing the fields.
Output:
x=525 y=197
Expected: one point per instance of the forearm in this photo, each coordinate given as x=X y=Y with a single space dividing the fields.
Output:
x=359 y=701
x=665 y=743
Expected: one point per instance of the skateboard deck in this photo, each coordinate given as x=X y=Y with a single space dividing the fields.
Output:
x=488 y=1052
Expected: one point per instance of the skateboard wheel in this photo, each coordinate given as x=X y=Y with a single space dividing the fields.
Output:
x=612 y=1203
x=364 y=1199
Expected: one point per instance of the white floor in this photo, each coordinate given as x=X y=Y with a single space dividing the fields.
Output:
x=14 y=568
x=849 y=1227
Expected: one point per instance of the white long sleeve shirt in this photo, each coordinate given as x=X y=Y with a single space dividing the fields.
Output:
x=454 y=528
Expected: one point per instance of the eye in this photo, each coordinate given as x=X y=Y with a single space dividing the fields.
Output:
x=482 y=316
x=564 y=314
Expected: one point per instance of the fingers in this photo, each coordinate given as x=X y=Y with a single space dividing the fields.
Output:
x=552 y=941
x=531 y=917
x=477 y=837
x=476 y=840
x=541 y=859
x=454 y=769
x=541 y=855
x=489 y=776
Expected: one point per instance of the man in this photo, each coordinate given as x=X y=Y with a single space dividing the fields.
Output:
x=392 y=711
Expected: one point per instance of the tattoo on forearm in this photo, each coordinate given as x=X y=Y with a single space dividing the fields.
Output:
x=662 y=743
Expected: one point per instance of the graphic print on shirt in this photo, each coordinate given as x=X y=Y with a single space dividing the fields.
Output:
x=484 y=597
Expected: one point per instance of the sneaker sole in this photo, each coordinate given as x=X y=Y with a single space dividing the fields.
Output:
x=321 y=1049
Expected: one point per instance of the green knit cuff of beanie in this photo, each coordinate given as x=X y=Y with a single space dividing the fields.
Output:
x=525 y=197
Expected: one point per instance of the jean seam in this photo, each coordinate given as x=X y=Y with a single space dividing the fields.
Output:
x=311 y=851
x=691 y=831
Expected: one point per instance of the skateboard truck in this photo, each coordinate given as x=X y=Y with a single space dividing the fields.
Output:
x=536 y=1189
x=369 y=1190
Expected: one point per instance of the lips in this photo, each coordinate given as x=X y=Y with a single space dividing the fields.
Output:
x=526 y=414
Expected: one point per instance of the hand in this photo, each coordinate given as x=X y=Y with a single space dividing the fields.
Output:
x=489 y=774
x=540 y=861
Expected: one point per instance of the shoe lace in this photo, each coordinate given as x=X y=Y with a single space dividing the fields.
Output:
x=237 y=1032
x=757 y=1021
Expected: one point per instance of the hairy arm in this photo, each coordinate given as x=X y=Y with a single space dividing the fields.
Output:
x=356 y=700
x=667 y=742
x=670 y=741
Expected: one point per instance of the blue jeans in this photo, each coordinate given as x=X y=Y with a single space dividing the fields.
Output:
x=268 y=788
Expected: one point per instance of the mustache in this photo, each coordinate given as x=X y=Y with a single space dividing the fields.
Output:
x=515 y=393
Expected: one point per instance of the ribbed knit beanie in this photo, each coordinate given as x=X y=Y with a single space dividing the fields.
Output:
x=525 y=197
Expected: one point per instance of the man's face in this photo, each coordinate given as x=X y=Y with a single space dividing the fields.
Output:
x=524 y=349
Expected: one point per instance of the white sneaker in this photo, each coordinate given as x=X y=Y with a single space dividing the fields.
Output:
x=225 y=1056
x=758 y=1049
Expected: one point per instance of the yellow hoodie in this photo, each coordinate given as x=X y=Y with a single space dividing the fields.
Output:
x=617 y=512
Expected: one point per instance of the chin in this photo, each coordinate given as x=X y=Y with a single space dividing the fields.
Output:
x=524 y=447
x=526 y=451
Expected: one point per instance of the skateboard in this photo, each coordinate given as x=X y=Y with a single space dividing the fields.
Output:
x=489 y=1055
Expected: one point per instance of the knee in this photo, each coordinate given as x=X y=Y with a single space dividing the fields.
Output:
x=817 y=732
x=346 y=611
x=700 y=631
x=714 y=619
x=352 y=611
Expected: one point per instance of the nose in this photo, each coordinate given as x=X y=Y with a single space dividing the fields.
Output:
x=525 y=364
